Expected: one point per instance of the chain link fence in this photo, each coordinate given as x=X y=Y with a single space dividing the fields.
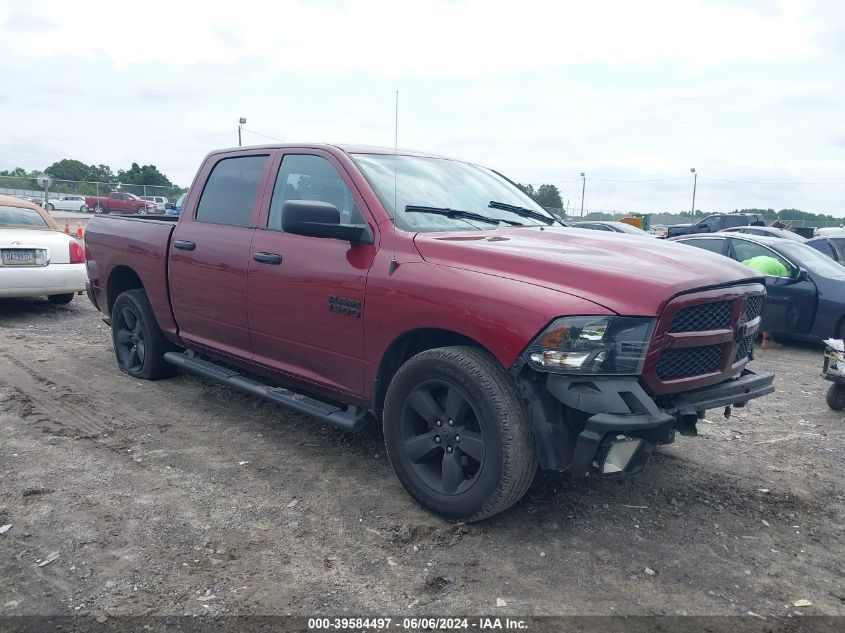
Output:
x=26 y=187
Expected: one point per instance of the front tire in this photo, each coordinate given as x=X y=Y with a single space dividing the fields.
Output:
x=60 y=299
x=457 y=434
x=83 y=208
x=50 y=207
x=836 y=397
x=139 y=344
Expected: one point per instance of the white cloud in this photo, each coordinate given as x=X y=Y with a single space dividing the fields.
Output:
x=432 y=38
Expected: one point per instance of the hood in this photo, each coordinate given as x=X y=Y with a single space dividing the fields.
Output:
x=628 y=274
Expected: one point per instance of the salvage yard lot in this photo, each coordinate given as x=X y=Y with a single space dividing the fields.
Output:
x=183 y=497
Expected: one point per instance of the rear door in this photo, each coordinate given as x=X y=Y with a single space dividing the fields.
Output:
x=790 y=304
x=209 y=254
x=306 y=294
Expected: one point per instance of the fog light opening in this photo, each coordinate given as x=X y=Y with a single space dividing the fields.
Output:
x=618 y=456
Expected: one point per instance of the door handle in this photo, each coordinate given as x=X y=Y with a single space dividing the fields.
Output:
x=268 y=258
x=184 y=245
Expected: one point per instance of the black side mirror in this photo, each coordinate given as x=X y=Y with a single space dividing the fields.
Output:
x=801 y=275
x=314 y=218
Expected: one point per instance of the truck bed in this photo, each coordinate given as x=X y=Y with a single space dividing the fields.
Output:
x=140 y=243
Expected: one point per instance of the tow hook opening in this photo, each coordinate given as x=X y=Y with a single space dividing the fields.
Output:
x=620 y=454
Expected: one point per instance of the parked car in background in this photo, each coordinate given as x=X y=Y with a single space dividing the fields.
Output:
x=832 y=246
x=766 y=231
x=68 y=203
x=613 y=227
x=36 y=257
x=176 y=209
x=659 y=231
x=117 y=202
x=830 y=230
x=807 y=303
x=160 y=202
x=487 y=339
x=717 y=222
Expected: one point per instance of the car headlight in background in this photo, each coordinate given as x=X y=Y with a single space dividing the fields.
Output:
x=592 y=345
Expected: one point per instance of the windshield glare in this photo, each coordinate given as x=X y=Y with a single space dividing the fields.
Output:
x=814 y=261
x=20 y=216
x=443 y=183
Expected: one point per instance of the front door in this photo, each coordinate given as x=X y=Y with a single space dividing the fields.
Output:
x=306 y=294
x=790 y=304
x=209 y=256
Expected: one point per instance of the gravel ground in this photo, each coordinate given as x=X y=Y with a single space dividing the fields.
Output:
x=181 y=497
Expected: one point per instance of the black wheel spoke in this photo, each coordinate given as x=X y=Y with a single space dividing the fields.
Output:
x=423 y=403
x=129 y=318
x=456 y=405
x=133 y=358
x=472 y=445
x=452 y=472
x=124 y=337
x=140 y=352
x=421 y=448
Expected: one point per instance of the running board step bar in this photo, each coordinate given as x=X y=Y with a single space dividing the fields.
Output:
x=350 y=418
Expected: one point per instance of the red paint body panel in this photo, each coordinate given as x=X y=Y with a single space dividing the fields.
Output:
x=500 y=288
x=139 y=245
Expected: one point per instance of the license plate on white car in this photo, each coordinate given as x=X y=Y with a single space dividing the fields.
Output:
x=19 y=257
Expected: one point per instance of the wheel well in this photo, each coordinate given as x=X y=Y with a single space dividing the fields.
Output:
x=408 y=345
x=122 y=278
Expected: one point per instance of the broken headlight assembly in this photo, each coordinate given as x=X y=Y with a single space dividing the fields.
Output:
x=592 y=345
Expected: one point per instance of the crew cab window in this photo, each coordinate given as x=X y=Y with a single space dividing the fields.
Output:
x=308 y=177
x=229 y=194
x=710 y=223
x=745 y=251
x=735 y=220
x=714 y=245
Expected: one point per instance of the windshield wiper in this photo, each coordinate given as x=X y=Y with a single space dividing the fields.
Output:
x=521 y=211
x=458 y=214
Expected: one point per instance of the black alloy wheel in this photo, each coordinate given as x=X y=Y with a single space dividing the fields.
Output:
x=130 y=340
x=441 y=437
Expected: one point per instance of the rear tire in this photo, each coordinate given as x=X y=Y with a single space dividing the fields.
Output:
x=83 y=208
x=467 y=478
x=139 y=344
x=60 y=299
x=836 y=397
x=50 y=207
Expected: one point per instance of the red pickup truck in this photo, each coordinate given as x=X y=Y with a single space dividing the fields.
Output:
x=354 y=284
x=117 y=202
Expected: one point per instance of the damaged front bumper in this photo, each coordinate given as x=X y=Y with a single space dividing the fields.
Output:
x=607 y=414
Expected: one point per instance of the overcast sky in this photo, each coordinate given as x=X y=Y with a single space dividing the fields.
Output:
x=742 y=90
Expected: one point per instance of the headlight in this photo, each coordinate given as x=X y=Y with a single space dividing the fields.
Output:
x=615 y=346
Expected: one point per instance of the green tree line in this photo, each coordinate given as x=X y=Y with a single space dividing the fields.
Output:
x=84 y=178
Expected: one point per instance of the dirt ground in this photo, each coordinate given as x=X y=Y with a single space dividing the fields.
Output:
x=182 y=497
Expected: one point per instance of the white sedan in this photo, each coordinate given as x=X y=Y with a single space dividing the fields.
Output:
x=36 y=257
x=67 y=203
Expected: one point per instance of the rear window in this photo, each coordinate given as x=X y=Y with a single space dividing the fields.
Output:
x=18 y=216
x=229 y=194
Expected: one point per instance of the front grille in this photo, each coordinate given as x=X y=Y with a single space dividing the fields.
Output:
x=691 y=361
x=753 y=307
x=702 y=317
x=745 y=348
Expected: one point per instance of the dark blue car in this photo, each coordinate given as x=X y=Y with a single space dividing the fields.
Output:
x=808 y=303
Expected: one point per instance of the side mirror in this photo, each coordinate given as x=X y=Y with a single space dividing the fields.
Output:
x=801 y=275
x=314 y=218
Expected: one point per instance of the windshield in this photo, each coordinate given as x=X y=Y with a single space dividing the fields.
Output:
x=813 y=260
x=18 y=216
x=445 y=184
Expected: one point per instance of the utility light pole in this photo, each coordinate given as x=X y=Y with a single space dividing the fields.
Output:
x=241 y=123
x=583 y=189
x=694 y=183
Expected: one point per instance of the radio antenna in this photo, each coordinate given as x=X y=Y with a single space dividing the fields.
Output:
x=393 y=263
